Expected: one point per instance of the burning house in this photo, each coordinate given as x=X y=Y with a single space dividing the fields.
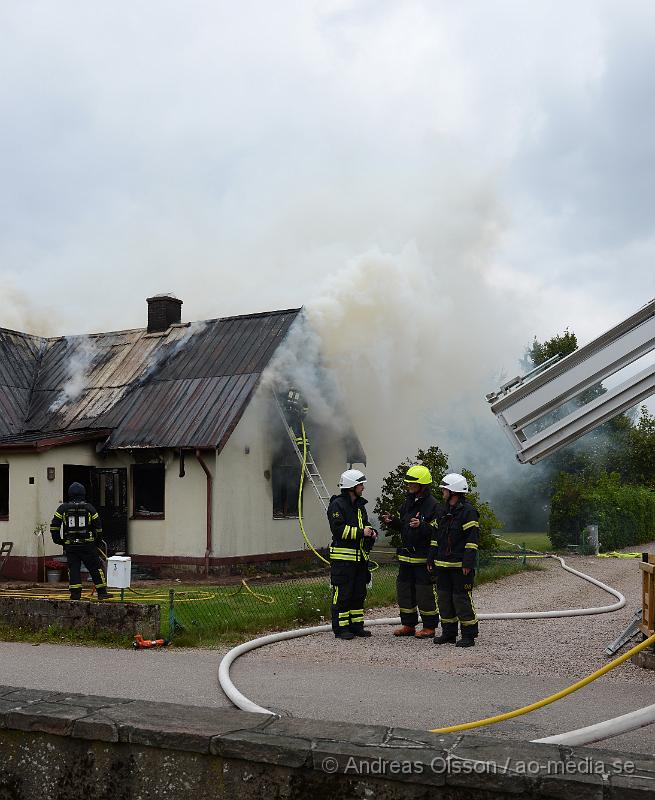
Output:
x=173 y=432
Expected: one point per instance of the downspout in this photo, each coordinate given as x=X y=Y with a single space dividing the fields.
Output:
x=210 y=494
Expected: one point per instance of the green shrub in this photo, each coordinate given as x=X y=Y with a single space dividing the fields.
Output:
x=624 y=513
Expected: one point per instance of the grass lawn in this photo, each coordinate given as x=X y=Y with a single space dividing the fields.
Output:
x=232 y=617
x=533 y=541
x=220 y=615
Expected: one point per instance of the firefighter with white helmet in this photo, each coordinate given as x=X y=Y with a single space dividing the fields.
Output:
x=416 y=521
x=352 y=540
x=452 y=558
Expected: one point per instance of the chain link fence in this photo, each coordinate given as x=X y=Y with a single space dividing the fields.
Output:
x=248 y=603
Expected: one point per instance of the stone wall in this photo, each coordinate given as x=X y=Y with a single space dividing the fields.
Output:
x=128 y=618
x=59 y=745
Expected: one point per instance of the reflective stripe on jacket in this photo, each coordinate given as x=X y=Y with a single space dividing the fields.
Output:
x=347 y=522
x=80 y=521
x=457 y=537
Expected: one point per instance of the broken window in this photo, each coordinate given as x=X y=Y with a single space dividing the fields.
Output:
x=148 y=490
x=285 y=482
x=4 y=491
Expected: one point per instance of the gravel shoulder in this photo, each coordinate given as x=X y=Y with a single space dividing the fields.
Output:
x=571 y=646
x=386 y=680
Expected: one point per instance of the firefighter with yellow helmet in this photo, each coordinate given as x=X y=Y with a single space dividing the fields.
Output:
x=416 y=522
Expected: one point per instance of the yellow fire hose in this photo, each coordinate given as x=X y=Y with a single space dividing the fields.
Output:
x=616 y=554
x=300 y=488
x=551 y=698
x=185 y=596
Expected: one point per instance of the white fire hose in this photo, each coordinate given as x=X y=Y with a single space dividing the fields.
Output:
x=592 y=733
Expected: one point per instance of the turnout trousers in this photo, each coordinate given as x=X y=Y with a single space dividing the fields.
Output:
x=88 y=555
x=455 y=593
x=416 y=595
x=348 y=579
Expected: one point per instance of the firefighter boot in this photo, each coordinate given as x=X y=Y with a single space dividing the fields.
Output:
x=425 y=633
x=345 y=635
x=443 y=639
x=465 y=641
x=405 y=630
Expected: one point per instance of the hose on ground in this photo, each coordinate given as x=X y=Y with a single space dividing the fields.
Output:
x=467 y=726
x=242 y=702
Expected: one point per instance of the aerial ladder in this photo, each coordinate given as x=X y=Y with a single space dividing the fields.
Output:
x=538 y=412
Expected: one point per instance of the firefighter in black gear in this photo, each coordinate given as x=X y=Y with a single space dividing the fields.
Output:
x=352 y=540
x=416 y=522
x=81 y=533
x=296 y=410
x=453 y=556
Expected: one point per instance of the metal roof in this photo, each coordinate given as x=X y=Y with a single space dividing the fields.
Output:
x=19 y=357
x=185 y=387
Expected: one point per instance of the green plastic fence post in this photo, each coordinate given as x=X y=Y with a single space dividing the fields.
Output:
x=171 y=613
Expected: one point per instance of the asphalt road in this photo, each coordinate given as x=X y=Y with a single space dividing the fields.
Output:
x=384 y=696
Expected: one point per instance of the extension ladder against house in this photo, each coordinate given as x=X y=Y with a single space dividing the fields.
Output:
x=311 y=470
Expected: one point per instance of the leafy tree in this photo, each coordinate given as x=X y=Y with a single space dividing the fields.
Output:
x=394 y=491
x=561 y=344
x=641 y=437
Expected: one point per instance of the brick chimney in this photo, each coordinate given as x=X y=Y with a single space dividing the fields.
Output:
x=164 y=310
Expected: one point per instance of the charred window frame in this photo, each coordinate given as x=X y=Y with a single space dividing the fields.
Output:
x=4 y=492
x=285 y=483
x=148 y=491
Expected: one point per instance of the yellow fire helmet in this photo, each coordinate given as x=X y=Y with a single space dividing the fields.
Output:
x=418 y=474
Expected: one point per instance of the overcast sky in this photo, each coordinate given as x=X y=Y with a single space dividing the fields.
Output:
x=248 y=155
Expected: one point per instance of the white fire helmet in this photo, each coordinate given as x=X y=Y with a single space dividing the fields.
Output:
x=454 y=482
x=351 y=478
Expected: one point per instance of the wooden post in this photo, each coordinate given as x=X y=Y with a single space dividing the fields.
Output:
x=647 y=567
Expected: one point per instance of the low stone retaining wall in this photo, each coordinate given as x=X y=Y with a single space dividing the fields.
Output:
x=56 y=745
x=128 y=618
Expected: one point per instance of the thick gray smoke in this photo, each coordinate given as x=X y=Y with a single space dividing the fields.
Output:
x=300 y=363
x=413 y=340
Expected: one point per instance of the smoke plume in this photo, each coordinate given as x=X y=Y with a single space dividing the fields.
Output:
x=78 y=367
x=411 y=341
x=19 y=313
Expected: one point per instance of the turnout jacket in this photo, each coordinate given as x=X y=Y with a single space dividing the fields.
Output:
x=415 y=542
x=347 y=522
x=80 y=521
x=457 y=537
